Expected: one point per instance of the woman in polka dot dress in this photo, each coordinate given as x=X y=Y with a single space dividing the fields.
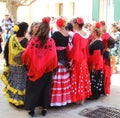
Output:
x=80 y=78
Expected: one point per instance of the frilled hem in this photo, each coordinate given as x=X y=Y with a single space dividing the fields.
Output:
x=13 y=101
x=11 y=89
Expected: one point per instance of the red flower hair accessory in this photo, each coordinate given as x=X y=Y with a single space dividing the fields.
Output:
x=60 y=22
x=80 y=20
x=102 y=22
x=98 y=25
x=46 y=20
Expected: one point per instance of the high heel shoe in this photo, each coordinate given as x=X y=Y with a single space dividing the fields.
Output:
x=31 y=113
x=44 y=112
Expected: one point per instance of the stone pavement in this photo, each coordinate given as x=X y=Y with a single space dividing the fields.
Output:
x=70 y=111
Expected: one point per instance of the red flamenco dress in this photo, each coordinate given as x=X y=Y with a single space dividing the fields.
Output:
x=80 y=78
x=108 y=42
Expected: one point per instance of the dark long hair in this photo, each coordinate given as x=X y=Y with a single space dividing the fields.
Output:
x=23 y=26
x=43 y=32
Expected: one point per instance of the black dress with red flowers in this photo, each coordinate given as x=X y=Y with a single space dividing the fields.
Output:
x=96 y=53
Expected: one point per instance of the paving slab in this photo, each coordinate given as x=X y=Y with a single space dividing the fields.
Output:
x=70 y=111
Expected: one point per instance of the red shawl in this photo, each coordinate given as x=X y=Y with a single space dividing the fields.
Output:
x=105 y=38
x=97 y=59
x=39 y=60
x=76 y=53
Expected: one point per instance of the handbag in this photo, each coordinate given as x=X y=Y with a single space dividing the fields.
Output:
x=18 y=59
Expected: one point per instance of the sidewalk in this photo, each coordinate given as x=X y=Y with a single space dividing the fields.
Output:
x=70 y=111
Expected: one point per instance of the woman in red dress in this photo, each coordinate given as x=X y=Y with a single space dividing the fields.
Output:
x=108 y=43
x=80 y=78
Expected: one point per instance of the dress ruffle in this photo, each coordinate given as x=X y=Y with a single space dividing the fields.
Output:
x=11 y=91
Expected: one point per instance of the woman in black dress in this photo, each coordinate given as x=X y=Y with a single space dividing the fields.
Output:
x=40 y=57
x=96 y=58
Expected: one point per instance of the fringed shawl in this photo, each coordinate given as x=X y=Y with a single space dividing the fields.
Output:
x=39 y=60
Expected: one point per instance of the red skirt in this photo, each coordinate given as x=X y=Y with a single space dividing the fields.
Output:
x=61 y=95
x=80 y=82
x=107 y=79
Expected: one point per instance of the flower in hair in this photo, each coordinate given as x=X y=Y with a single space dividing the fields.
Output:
x=102 y=22
x=80 y=20
x=46 y=20
x=98 y=25
x=16 y=28
x=60 y=22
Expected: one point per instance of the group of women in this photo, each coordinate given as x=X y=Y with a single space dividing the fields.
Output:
x=70 y=66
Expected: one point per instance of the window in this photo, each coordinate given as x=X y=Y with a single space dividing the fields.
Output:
x=61 y=9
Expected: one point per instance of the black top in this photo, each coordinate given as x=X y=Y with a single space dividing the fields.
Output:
x=96 y=45
x=62 y=41
x=24 y=42
x=59 y=39
x=111 y=42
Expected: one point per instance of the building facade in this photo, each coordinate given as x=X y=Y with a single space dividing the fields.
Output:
x=90 y=10
x=107 y=10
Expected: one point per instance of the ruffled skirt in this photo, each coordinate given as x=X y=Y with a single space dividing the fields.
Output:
x=14 y=78
x=80 y=82
x=61 y=95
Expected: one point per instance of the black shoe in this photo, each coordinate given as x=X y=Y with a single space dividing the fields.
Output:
x=31 y=113
x=44 y=112
x=91 y=98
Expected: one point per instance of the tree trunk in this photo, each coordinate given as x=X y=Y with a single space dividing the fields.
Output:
x=12 y=8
